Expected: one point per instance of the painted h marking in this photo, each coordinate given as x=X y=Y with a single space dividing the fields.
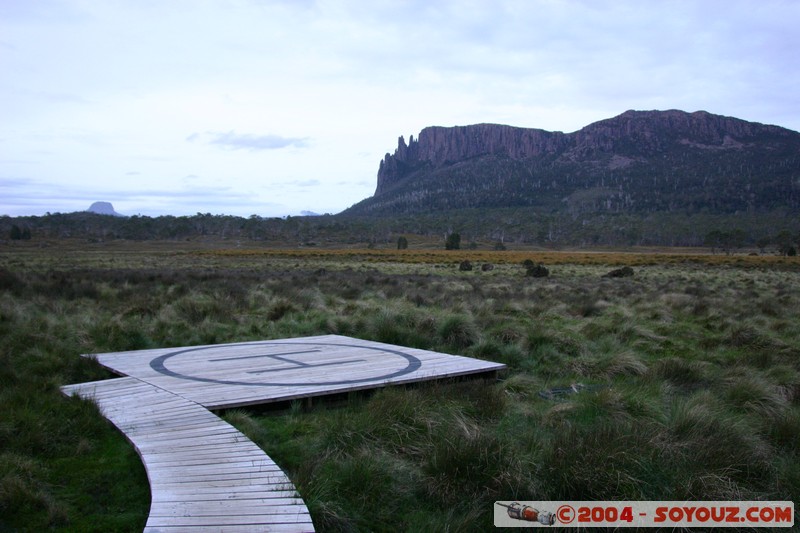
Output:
x=274 y=356
x=300 y=364
x=282 y=357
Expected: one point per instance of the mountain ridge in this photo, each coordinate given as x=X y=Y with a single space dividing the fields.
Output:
x=708 y=160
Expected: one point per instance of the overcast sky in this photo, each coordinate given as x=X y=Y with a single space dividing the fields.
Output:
x=271 y=107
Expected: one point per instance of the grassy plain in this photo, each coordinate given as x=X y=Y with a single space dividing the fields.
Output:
x=694 y=364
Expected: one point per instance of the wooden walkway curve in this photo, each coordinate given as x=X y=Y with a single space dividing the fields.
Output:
x=204 y=474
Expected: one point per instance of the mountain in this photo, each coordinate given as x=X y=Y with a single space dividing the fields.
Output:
x=638 y=162
x=103 y=208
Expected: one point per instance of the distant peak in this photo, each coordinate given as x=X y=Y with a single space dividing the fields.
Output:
x=103 y=208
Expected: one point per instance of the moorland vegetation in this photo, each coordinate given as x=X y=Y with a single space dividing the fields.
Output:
x=691 y=367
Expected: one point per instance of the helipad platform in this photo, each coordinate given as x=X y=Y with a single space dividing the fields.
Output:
x=204 y=474
x=249 y=373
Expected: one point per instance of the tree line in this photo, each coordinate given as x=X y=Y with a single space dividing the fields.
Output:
x=778 y=231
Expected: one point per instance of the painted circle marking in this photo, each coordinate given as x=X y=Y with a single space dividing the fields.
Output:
x=160 y=364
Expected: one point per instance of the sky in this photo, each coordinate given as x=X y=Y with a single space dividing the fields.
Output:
x=275 y=107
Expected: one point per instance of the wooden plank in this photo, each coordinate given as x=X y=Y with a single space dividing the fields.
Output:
x=237 y=448
x=224 y=520
x=229 y=528
x=275 y=482
x=222 y=508
x=215 y=456
x=217 y=494
x=218 y=455
x=224 y=493
x=191 y=467
x=212 y=477
x=164 y=434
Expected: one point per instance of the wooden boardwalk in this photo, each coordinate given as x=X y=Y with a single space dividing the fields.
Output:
x=204 y=474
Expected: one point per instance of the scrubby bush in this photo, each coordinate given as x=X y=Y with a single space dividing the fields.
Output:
x=536 y=271
x=452 y=242
x=9 y=281
x=624 y=272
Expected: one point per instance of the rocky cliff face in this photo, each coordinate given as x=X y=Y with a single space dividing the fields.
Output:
x=438 y=146
x=631 y=136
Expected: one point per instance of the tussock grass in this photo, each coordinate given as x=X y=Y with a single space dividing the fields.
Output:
x=691 y=394
x=679 y=372
x=617 y=363
x=21 y=488
x=457 y=331
x=463 y=461
x=711 y=440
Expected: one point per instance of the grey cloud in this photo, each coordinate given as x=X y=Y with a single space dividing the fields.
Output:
x=247 y=141
x=15 y=182
x=59 y=97
x=220 y=193
x=298 y=183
